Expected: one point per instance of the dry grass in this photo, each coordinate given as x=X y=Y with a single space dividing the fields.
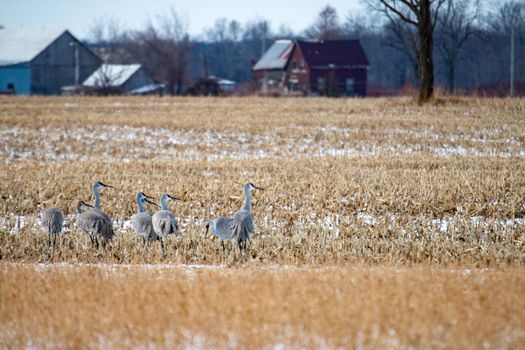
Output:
x=390 y=201
x=441 y=184
x=355 y=307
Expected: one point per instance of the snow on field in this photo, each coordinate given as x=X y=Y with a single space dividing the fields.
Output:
x=125 y=143
x=330 y=224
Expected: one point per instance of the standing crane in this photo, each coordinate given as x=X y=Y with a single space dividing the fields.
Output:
x=141 y=221
x=51 y=221
x=94 y=221
x=241 y=225
x=220 y=227
x=164 y=221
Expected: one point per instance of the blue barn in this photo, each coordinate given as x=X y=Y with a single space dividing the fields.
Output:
x=40 y=62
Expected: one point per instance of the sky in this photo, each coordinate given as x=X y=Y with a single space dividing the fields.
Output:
x=79 y=16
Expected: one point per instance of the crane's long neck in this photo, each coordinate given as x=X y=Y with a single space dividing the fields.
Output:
x=142 y=209
x=96 y=192
x=164 y=202
x=247 y=202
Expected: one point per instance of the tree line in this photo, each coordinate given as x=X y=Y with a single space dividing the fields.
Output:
x=457 y=45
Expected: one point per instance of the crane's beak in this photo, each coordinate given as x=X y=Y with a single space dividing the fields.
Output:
x=259 y=188
x=82 y=203
x=206 y=232
x=103 y=184
x=174 y=198
x=150 y=202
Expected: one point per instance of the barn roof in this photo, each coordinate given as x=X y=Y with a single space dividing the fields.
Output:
x=23 y=44
x=111 y=74
x=276 y=57
x=325 y=53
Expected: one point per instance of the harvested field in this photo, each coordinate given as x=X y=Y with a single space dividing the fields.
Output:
x=383 y=224
x=159 y=306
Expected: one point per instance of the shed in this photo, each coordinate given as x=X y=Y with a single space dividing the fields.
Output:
x=118 y=79
x=40 y=61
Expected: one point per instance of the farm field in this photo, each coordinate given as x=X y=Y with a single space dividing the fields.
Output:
x=383 y=224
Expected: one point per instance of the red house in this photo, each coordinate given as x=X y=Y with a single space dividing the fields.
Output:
x=313 y=68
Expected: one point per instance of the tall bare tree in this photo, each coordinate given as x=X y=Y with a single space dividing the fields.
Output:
x=456 y=25
x=106 y=34
x=162 y=47
x=326 y=26
x=402 y=37
x=421 y=14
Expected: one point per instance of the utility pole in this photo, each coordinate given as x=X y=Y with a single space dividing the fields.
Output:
x=77 y=62
x=512 y=62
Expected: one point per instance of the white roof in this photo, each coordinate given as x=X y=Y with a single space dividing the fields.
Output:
x=111 y=74
x=226 y=82
x=276 y=56
x=22 y=45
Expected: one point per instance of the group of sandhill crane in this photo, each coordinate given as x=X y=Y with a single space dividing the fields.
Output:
x=157 y=226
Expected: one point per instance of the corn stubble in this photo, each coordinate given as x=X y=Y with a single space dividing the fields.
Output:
x=387 y=237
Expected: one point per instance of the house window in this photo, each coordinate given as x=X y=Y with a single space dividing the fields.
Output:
x=321 y=84
x=350 y=86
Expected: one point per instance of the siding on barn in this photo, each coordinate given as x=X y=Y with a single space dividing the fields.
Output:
x=54 y=67
x=19 y=75
x=297 y=73
x=139 y=79
x=340 y=76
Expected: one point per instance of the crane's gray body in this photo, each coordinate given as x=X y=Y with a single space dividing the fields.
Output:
x=51 y=220
x=241 y=226
x=142 y=225
x=141 y=221
x=220 y=227
x=164 y=221
x=94 y=221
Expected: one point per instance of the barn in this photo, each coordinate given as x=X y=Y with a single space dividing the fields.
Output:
x=313 y=68
x=40 y=61
x=118 y=79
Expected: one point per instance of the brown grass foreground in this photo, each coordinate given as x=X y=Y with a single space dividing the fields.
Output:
x=64 y=306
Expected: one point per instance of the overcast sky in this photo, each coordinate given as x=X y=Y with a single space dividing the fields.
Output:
x=78 y=16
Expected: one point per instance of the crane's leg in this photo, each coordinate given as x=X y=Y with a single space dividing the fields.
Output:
x=239 y=245
x=223 y=248
x=162 y=247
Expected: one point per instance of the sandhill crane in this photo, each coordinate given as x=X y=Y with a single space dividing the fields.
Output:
x=220 y=227
x=141 y=221
x=51 y=221
x=241 y=225
x=164 y=221
x=94 y=221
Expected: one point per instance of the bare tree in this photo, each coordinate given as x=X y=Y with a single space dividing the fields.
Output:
x=421 y=14
x=106 y=34
x=162 y=47
x=509 y=20
x=456 y=25
x=257 y=33
x=402 y=37
x=326 y=26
